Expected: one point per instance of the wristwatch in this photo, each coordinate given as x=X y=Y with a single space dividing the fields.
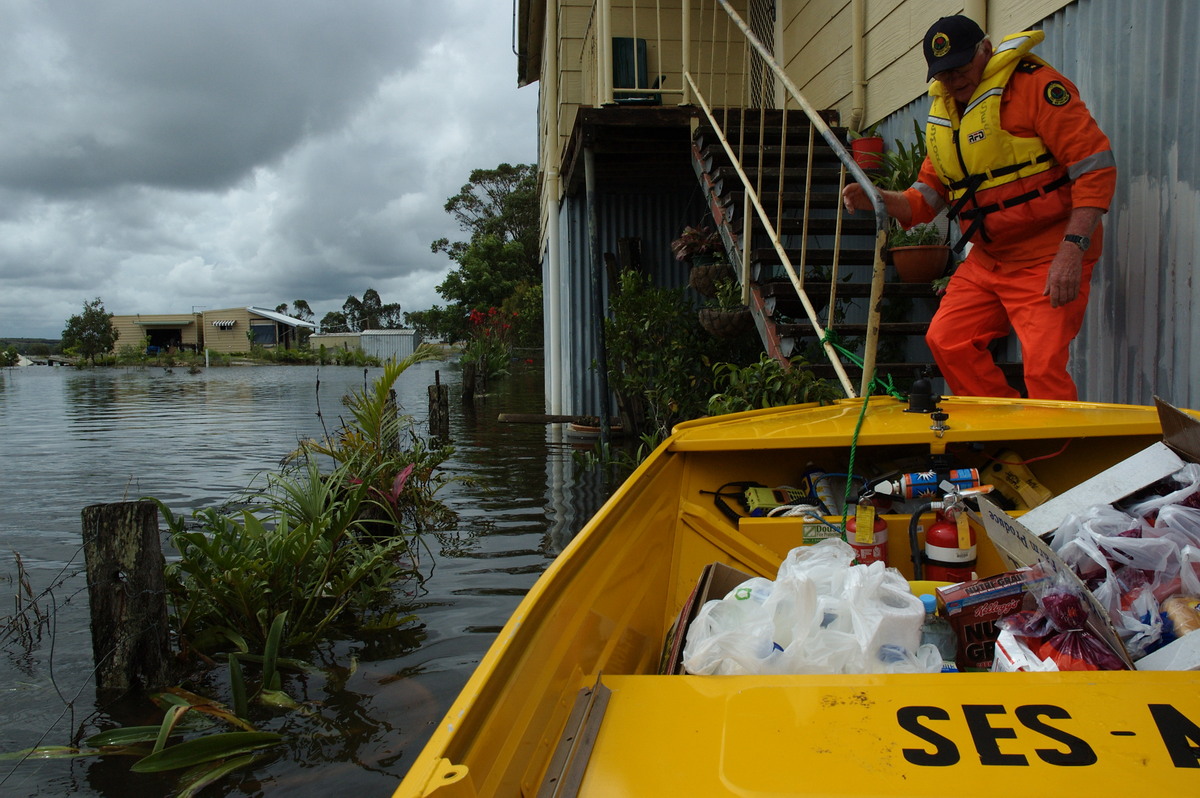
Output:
x=1083 y=242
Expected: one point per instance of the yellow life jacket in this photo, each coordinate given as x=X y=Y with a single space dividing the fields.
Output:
x=987 y=169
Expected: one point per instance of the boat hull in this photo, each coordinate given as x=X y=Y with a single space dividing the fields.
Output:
x=579 y=660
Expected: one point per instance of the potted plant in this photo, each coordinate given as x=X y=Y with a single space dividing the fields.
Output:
x=867 y=148
x=724 y=315
x=920 y=253
x=697 y=245
x=702 y=248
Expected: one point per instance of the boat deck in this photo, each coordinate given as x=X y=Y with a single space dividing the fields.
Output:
x=896 y=735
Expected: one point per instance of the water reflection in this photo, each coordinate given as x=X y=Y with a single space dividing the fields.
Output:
x=194 y=440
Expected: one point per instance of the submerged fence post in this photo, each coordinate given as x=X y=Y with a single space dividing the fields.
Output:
x=439 y=407
x=127 y=594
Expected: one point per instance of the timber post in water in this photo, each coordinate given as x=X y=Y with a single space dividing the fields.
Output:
x=439 y=407
x=127 y=594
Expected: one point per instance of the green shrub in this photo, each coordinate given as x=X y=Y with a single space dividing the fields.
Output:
x=767 y=384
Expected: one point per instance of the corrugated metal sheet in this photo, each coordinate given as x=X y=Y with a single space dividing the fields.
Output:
x=390 y=344
x=1137 y=68
x=656 y=219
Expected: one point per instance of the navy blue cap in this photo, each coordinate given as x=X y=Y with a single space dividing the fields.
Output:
x=950 y=43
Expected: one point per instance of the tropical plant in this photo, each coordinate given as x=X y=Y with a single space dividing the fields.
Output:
x=902 y=165
x=310 y=558
x=371 y=450
x=488 y=347
x=767 y=383
x=728 y=295
x=697 y=241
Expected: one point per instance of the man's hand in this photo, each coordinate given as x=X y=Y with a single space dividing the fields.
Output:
x=1066 y=271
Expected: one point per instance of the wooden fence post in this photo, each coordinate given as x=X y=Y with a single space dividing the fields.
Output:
x=127 y=595
x=439 y=407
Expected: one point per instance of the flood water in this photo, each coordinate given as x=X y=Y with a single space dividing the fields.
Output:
x=70 y=438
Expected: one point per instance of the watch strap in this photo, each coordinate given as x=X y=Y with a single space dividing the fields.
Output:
x=1083 y=242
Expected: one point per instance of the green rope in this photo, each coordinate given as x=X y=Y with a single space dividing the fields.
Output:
x=886 y=385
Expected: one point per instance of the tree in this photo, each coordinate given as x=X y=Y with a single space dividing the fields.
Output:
x=9 y=357
x=499 y=209
x=368 y=313
x=90 y=333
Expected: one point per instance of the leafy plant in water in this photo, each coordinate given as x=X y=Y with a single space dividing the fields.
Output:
x=369 y=450
x=237 y=573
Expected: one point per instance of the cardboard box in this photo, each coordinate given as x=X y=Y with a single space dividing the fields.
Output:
x=716 y=580
x=973 y=607
x=1023 y=542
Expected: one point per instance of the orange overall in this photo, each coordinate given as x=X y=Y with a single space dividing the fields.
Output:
x=1001 y=282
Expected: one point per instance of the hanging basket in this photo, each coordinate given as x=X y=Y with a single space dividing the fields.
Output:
x=726 y=323
x=704 y=278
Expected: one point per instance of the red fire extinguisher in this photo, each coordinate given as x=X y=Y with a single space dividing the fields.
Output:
x=950 y=550
x=871 y=546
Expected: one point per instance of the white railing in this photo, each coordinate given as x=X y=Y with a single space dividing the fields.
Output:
x=715 y=60
x=716 y=36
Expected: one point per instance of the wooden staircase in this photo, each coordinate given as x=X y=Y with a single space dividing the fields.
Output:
x=759 y=139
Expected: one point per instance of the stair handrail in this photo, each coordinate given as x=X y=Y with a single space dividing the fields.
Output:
x=848 y=164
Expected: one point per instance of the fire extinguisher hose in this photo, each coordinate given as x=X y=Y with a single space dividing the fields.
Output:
x=913 y=524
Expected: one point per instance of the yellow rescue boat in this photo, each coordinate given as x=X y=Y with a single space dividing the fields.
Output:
x=571 y=698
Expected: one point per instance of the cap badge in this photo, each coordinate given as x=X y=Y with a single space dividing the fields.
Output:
x=940 y=44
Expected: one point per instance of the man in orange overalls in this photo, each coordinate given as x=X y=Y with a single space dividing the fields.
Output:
x=1023 y=167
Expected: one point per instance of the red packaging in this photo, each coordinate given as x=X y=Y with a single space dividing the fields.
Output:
x=974 y=606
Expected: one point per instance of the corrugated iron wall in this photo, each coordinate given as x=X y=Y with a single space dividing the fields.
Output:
x=1138 y=68
x=654 y=217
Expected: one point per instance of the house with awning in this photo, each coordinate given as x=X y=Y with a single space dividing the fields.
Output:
x=224 y=331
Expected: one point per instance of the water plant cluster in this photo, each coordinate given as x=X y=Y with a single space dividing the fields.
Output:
x=327 y=549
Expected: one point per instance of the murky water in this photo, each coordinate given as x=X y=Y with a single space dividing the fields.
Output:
x=71 y=438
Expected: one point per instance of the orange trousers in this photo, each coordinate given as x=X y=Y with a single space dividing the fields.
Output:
x=980 y=305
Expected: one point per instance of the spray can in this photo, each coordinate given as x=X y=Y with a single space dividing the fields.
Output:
x=927 y=484
x=816 y=482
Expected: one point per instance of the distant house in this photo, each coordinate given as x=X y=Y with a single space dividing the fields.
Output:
x=223 y=331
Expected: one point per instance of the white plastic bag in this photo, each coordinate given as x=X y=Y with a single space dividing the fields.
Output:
x=822 y=614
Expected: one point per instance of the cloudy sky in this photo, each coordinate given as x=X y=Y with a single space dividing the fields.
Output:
x=166 y=155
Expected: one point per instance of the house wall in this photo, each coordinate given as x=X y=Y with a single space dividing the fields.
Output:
x=1134 y=65
x=131 y=329
x=227 y=341
x=817 y=48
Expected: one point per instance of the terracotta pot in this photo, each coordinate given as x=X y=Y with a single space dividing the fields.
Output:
x=726 y=323
x=921 y=264
x=704 y=278
x=868 y=152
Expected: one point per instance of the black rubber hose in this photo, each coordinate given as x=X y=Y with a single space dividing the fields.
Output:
x=913 y=523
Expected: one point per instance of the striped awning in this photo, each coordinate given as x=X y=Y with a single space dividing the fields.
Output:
x=224 y=324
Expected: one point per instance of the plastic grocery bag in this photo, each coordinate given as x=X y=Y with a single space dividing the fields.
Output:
x=822 y=614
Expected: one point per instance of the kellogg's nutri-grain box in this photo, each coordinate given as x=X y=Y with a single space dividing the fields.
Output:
x=974 y=606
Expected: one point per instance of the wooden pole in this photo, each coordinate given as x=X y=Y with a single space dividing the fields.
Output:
x=439 y=407
x=127 y=594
